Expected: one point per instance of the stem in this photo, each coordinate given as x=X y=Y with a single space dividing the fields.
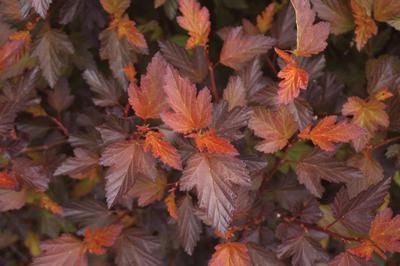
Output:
x=60 y=125
x=45 y=147
x=214 y=90
x=385 y=142
x=331 y=224
x=271 y=65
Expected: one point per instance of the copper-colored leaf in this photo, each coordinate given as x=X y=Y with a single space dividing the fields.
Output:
x=276 y=128
x=98 y=239
x=126 y=28
x=65 y=250
x=240 y=48
x=7 y=181
x=12 y=200
x=387 y=11
x=264 y=20
x=196 y=20
x=209 y=141
x=311 y=38
x=230 y=254
x=216 y=178
x=327 y=132
x=368 y=114
x=365 y=25
x=190 y=111
x=294 y=79
x=384 y=236
x=171 y=205
x=50 y=205
x=18 y=43
x=148 y=101
x=115 y=7
x=148 y=191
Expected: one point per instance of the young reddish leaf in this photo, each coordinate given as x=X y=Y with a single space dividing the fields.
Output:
x=149 y=101
x=240 y=48
x=47 y=203
x=294 y=79
x=196 y=20
x=7 y=181
x=189 y=226
x=66 y=250
x=115 y=7
x=337 y=13
x=209 y=141
x=230 y=254
x=368 y=114
x=171 y=205
x=18 y=43
x=311 y=38
x=365 y=25
x=216 y=178
x=264 y=20
x=41 y=6
x=235 y=92
x=382 y=94
x=148 y=191
x=384 y=236
x=189 y=112
x=126 y=28
x=327 y=132
x=98 y=239
x=276 y=128
x=320 y=165
x=127 y=160
x=130 y=72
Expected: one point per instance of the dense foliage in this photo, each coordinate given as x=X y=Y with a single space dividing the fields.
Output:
x=187 y=132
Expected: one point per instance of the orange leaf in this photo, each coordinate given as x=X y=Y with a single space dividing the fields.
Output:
x=327 y=132
x=384 y=236
x=127 y=29
x=163 y=149
x=368 y=114
x=311 y=38
x=209 y=140
x=115 y=7
x=230 y=254
x=382 y=94
x=7 y=181
x=189 y=112
x=96 y=240
x=196 y=20
x=264 y=20
x=294 y=79
x=130 y=72
x=276 y=128
x=148 y=101
x=47 y=203
x=18 y=43
x=365 y=25
x=171 y=205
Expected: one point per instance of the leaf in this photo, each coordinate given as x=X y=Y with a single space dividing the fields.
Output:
x=126 y=28
x=115 y=129
x=148 y=101
x=107 y=90
x=171 y=205
x=235 y=92
x=115 y=7
x=240 y=48
x=14 y=49
x=283 y=28
x=148 y=191
x=320 y=165
x=31 y=173
x=196 y=20
x=327 y=132
x=372 y=170
x=355 y=213
x=41 y=6
x=252 y=77
x=127 y=160
x=47 y=203
x=384 y=236
x=276 y=128
x=96 y=240
x=365 y=25
x=311 y=38
x=302 y=112
x=294 y=79
x=189 y=226
x=189 y=111
x=261 y=256
x=382 y=73
x=264 y=20
x=65 y=250
x=60 y=99
x=88 y=213
x=230 y=254
x=348 y=259
x=12 y=200
x=83 y=162
x=136 y=247
x=215 y=178
x=7 y=181
x=387 y=11
x=193 y=66
x=337 y=13
x=52 y=50
x=209 y=141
